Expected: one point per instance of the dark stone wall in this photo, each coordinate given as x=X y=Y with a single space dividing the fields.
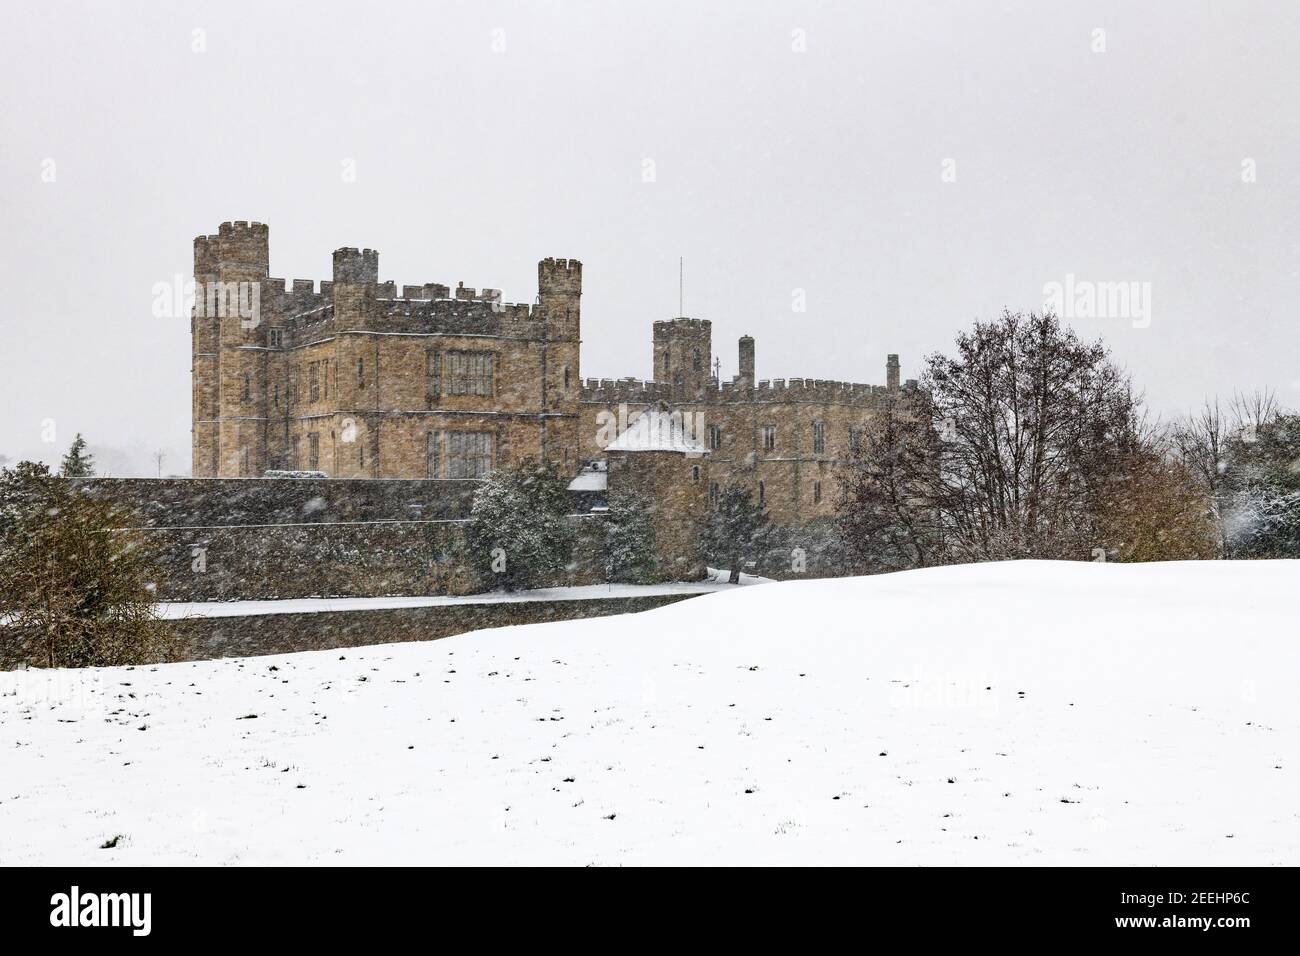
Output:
x=309 y=560
x=228 y=539
x=334 y=560
x=214 y=637
x=206 y=502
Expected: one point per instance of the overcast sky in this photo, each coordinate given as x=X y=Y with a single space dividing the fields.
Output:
x=916 y=166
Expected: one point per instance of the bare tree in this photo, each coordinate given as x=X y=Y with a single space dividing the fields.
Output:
x=1032 y=422
x=1210 y=440
x=887 y=513
x=1201 y=443
x=159 y=457
x=1155 y=507
x=1253 y=411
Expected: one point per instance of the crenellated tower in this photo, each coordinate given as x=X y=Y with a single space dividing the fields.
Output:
x=559 y=310
x=356 y=285
x=229 y=366
x=683 y=356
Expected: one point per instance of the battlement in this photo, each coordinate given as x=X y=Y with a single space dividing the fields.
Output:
x=559 y=275
x=816 y=389
x=429 y=290
x=205 y=255
x=242 y=247
x=630 y=390
x=664 y=326
x=356 y=266
x=243 y=230
x=634 y=391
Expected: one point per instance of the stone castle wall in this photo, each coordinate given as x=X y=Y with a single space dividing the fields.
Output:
x=206 y=638
x=353 y=379
x=264 y=539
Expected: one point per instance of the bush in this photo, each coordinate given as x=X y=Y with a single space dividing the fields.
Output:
x=518 y=534
x=75 y=589
x=630 y=555
x=735 y=530
x=1155 y=510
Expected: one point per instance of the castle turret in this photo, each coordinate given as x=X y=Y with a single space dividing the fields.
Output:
x=559 y=310
x=891 y=373
x=356 y=280
x=229 y=432
x=683 y=356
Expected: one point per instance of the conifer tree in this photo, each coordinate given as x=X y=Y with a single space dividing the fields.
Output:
x=77 y=463
x=630 y=555
x=736 y=529
x=518 y=534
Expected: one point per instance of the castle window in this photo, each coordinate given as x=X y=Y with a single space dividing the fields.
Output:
x=246 y=392
x=277 y=396
x=469 y=454
x=855 y=439
x=714 y=493
x=432 y=376
x=715 y=437
x=361 y=372
x=361 y=453
x=696 y=362
x=769 y=438
x=667 y=363
x=275 y=338
x=817 y=492
x=433 y=454
x=313 y=451
x=819 y=438
x=469 y=373
x=566 y=378
x=313 y=386
x=695 y=472
x=762 y=494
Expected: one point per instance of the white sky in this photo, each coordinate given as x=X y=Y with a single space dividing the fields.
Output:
x=775 y=171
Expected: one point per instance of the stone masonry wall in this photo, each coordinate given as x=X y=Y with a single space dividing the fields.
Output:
x=264 y=539
x=204 y=502
x=206 y=638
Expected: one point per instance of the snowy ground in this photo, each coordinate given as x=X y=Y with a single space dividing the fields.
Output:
x=1031 y=713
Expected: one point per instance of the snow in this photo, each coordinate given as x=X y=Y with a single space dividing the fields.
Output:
x=1019 y=713
x=657 y=430
x=589 y=481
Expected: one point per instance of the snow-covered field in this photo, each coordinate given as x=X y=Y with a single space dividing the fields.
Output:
x=1031 y=713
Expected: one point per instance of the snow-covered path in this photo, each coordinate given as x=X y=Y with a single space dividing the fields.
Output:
x=1016 y=713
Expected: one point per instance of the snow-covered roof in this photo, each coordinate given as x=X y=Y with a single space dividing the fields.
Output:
x=589 y=481
x=659 y=430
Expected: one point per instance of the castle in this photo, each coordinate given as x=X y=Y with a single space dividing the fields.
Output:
x=353 y=379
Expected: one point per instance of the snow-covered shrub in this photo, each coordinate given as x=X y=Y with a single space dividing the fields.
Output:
x=630 y=555
x=518 y=534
